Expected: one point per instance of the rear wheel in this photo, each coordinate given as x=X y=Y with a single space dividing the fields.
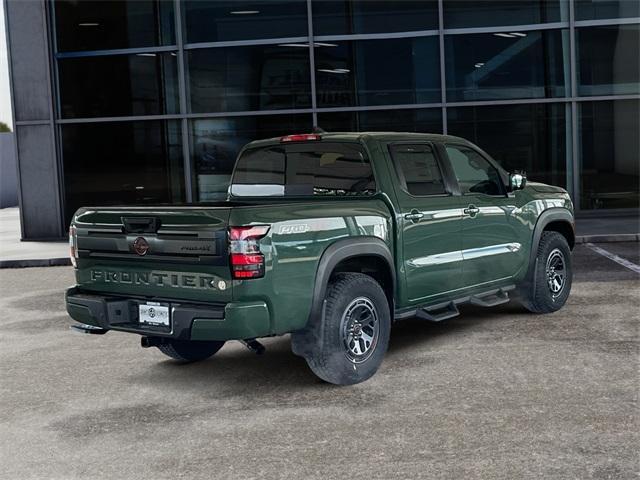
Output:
x=348 y=346
x=552 y=275
x=189 y=350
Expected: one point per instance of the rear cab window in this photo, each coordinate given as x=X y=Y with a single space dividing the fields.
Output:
x=304 y=169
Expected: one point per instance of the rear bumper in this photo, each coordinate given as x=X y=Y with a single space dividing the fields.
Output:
x=231 y=321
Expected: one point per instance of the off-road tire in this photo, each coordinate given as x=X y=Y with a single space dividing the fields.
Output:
x=187 y=351
x=325 y=345
x=537 y=295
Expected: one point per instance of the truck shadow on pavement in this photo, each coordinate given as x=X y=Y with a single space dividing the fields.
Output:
x=237 y=371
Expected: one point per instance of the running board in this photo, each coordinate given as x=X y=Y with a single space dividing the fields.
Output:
x=438 y=313
x=444 y=310
x=490 y=300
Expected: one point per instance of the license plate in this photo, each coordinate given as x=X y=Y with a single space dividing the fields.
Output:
x=154 y=314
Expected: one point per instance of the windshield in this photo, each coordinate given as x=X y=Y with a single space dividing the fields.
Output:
x=303 y=169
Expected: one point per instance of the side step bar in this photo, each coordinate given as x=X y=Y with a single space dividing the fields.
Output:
x=444 y=310
x=491 y=300
x=439 y=314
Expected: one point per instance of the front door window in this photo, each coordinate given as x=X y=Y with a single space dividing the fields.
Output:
x=474 y=173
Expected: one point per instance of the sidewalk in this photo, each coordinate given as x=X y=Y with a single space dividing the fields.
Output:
x=611 y=229
x=14 y=253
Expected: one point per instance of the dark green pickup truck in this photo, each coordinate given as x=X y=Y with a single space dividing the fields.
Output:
x=330 y=237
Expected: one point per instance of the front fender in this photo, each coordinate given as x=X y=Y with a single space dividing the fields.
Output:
x=546 y=217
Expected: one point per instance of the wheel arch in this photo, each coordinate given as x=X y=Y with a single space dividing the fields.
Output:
x=368 y=255
x=556 y=220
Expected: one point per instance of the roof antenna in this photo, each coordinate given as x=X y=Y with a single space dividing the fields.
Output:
x=317 y=129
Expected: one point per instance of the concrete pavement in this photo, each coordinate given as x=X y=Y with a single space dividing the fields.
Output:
x=492 y=394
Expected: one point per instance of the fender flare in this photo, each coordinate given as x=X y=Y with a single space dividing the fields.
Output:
x=546 y=217
x=341 y=250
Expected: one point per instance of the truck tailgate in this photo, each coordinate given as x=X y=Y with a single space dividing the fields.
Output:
x=155 y=252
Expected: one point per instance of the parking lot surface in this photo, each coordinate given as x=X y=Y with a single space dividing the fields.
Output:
x=493 y=393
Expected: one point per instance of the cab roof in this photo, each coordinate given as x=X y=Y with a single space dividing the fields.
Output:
x=362 y=136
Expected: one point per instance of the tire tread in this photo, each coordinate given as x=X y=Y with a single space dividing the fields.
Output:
x=537 y=299
x=190 y=351
x=321 y=360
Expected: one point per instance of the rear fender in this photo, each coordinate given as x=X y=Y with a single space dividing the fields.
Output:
x=342 y=250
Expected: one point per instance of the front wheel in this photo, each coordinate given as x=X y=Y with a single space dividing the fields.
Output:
x=348 y=346
x=189 y=350
x=551 y=277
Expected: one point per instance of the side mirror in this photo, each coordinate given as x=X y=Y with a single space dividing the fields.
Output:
x=517 y=181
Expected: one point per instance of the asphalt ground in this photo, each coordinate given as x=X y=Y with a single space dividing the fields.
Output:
x=493 y=393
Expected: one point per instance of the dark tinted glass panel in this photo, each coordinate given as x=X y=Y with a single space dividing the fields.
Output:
x=418 y=168
x=609 y=153
x=402 y=120
x=474 y=173
x=261 y=77
x=507 y=65
x=100 y=25
x=215 y=143
x=122 y=163
x=116 y=85
x=308 y=168
x=488 y=13
x=377 y=16
x=530 y=138
x=213 y=21
x=600 y=9
x=378 y=72
x=608 y=60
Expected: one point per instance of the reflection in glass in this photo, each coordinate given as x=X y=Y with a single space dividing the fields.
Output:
x=219 y=21
x=530 y=138
x=400 y=120
x=507 y=65
x=489 y=13
x=260 y=77
x=303 y=169
x=608 y=60
x=474 y=173
x=601 y=9
x=344 y=17
x=378 y=72
x=609 y=153
x=118 y=85
x=215 y=143
x=122 y=163
x=108 y=24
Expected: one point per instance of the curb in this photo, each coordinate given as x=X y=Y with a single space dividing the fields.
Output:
x=620 y=237
x=46 y=262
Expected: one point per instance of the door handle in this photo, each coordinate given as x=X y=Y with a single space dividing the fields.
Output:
x=471 y=210
x=414 y=216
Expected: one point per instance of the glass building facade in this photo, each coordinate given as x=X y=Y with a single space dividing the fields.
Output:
x=153 y=99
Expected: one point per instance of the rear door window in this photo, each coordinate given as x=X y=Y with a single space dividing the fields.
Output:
x=304 y=169
x=418 y=168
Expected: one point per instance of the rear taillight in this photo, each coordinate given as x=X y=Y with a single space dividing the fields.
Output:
x=73 y=246
x=244 y=246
